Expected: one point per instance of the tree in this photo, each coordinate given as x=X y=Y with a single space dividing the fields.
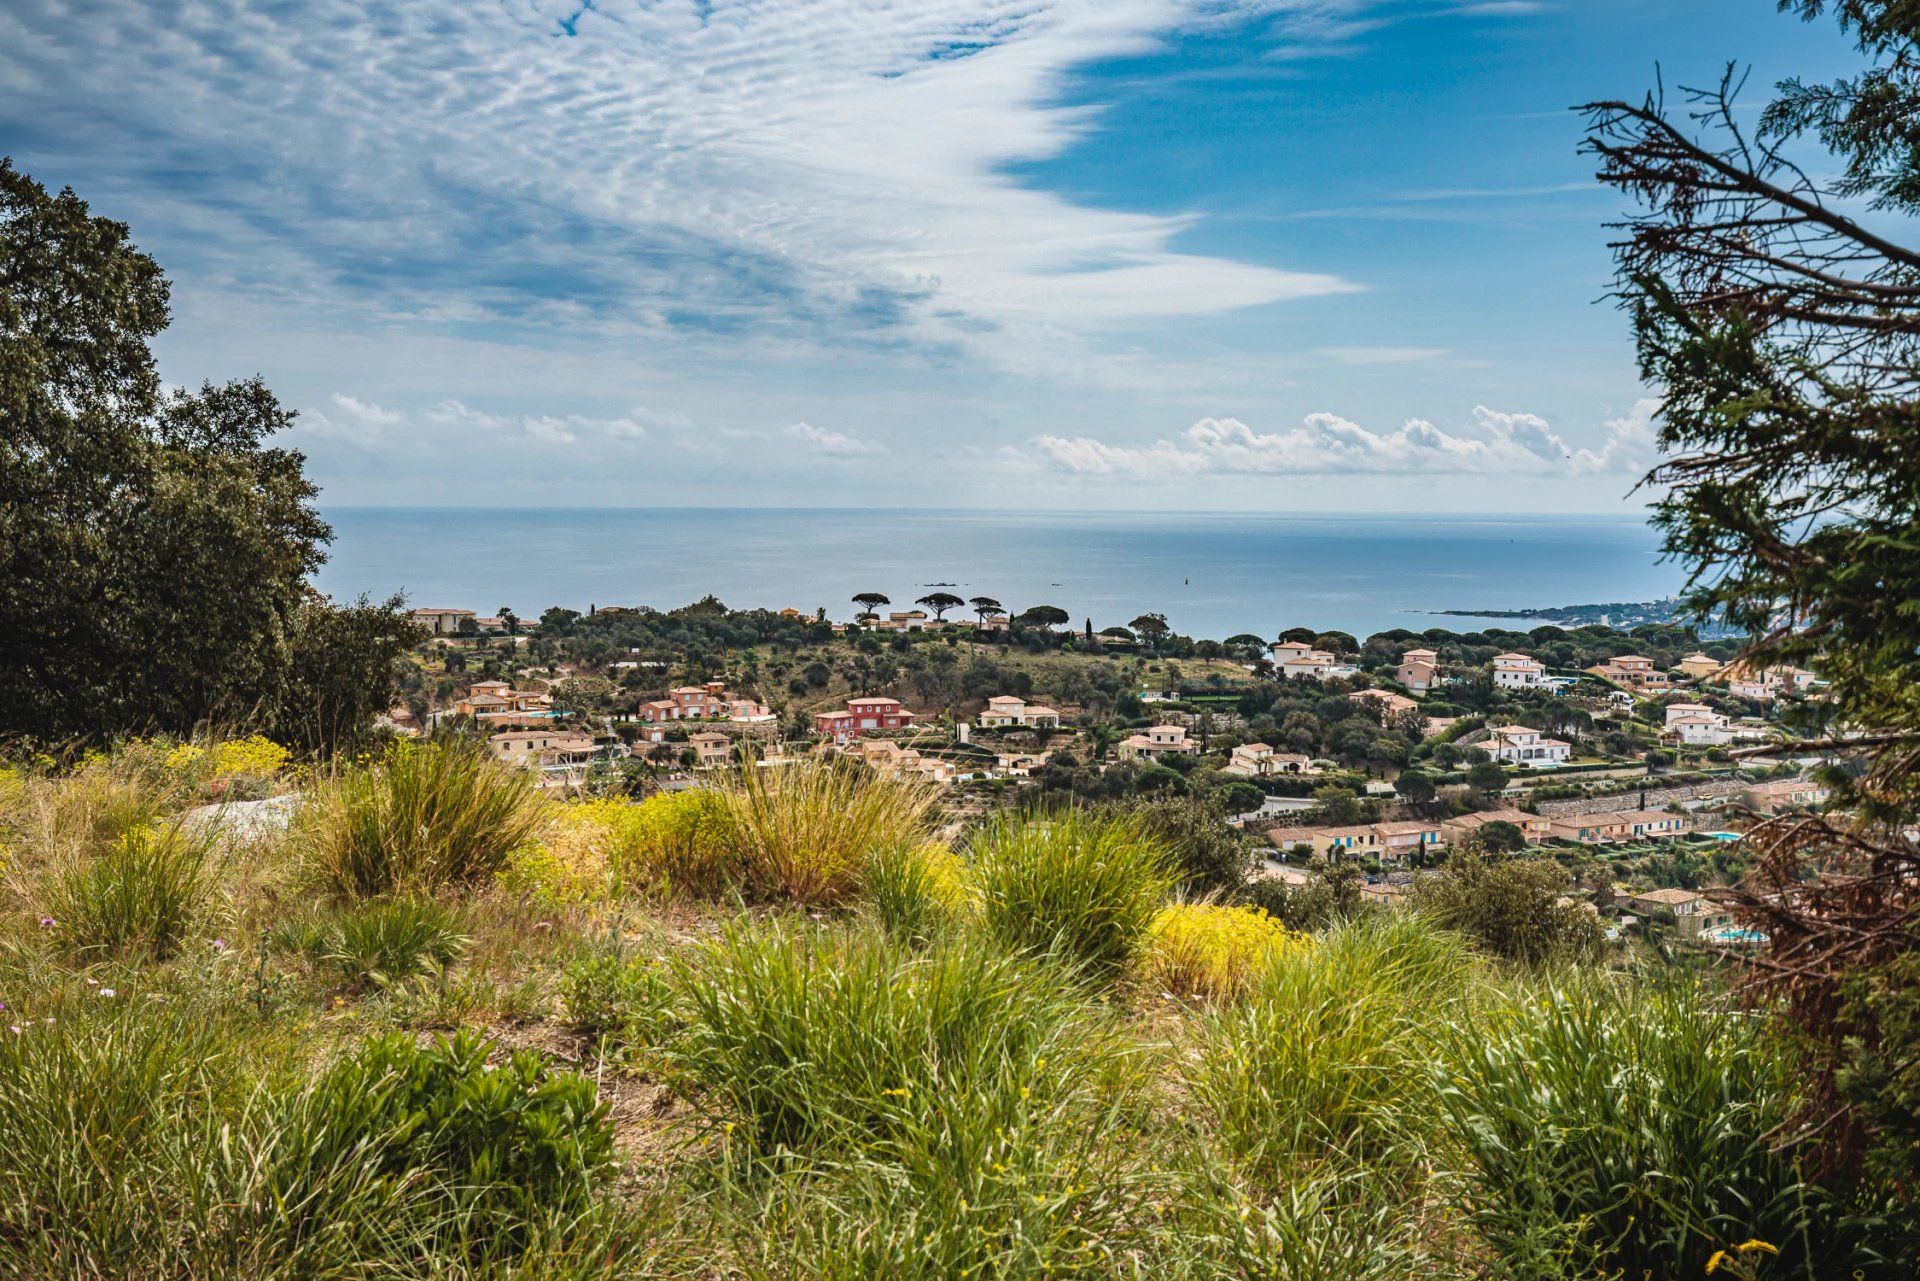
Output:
x=1152 y=628
x=869 y=603
x=1047 y=616
x=985 y=607
x=1300 y=635
x=1338 y=805
x=153 y=549
x=1497 y=836
x=509 y=620
x=343 y=671
x=1486 y=777
x=1246 y=646
x=1516 y=908
x=1416 y=788
x=1786 y=335
x=940 y=603
x=1213 y=857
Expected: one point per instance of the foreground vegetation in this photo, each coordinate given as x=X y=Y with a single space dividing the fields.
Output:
x=443 y=1026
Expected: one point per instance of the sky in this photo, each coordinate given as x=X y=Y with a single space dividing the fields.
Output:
x=1250 y=255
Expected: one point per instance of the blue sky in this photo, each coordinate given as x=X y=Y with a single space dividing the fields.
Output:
x=1251 y=254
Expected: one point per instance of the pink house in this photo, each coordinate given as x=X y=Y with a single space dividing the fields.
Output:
x=862 y=716
x=704 y=703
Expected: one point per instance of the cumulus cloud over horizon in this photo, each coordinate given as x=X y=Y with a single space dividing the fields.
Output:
x=1327 y=444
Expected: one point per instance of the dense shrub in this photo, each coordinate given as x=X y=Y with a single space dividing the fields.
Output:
x=1620 y=1129
x=1517 y=908
x=1210 y=949
x=1213 y=857
x=430 y=815
x=512 y=1144
x=681 y=844
x=1081 y=883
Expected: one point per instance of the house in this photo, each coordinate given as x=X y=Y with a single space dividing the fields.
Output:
x=1617 y=825
x=1161 y=740
x=1314 y=664
x=710 y=701
x=446 y=622
x=890 y=760
x=1697 y=725
x=1699 y=667
x=1784 y=795
x=1020 y=764
x=1387 y=842
x=1692 y=911
x=1634 y=672
x=863 y=715
x=499 y=703
x=1517 y=671
x=1389 y=703
x=1419 y=670
x=1763 y=685
x=1534 y=827
x=903 y=620
x=541 y=746
x=1258 y=760
x=1520 y=745
x=1007 y=711
x=711 y=750
x=1397 y=840
x=1283 y=650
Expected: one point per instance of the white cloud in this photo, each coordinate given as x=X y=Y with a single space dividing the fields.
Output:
x=827 y=441
x=815 y=164
x=1326 y=444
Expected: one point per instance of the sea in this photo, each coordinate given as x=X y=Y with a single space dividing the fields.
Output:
x=1212 y=574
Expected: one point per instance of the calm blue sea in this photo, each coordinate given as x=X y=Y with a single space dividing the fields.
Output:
x=1212 y=575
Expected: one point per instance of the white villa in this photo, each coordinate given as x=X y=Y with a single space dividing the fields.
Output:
x=1519 y=745
x=1161 y=740
x=1517 y=671
x=1258 y=760
x=1007 y=711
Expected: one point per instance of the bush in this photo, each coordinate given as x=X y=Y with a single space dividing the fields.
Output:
x=1084 y=884
x=1212 y=856
x=1621 y=1130
x=805 y=832
x=431 y=815
x=1516 y=908
x=1327 y=1053
x=388 y=941
x=682 y=844
x=135 y=899
x=917 y=890
x=1211 y=950
x=511 y=1144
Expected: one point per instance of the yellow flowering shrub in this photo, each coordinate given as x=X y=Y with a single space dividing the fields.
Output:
x=254 y=756
x=1209 y=949
x=683 y=844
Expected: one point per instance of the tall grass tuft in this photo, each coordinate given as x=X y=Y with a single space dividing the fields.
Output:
x=805 y=832
x=916 y=891
x=1082 y=883
x=934 y=1111
x=1327 y=1053
x=430 y=815
x=134 y=899
x=1628 y=1129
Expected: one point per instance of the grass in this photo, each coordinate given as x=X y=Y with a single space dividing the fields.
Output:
x=805 y=832
x=139 y=896
x=1087 y=885
x=1020 y=1059
x=428 y=816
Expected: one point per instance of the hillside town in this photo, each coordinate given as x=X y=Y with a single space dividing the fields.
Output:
x=1634 y=765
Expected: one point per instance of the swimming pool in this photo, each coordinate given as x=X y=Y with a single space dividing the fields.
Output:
x=1721 y=836
x=1735 y=935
